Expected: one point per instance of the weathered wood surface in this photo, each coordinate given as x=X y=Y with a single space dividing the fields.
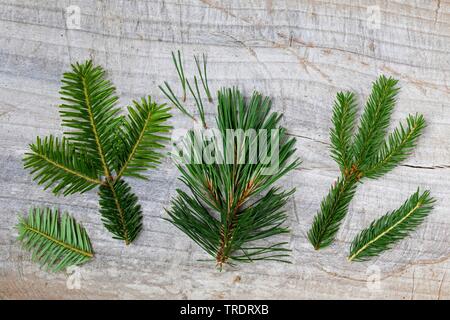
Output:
x=300 y=53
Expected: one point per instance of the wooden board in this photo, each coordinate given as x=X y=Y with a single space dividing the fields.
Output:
x=298 y=52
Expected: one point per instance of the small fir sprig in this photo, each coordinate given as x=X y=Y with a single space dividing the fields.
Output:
x=383 y=233
x=56 y=242
x=101 y=147
x=364 y=154
x=233 y=204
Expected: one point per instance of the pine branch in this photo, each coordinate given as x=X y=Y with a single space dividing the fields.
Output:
x=261 y=220
x=383 y=233
x=55 y=242
x=190 y=216
x=55 y=162
x=102 y=147
x=143 y=133
x=121 y=213
x=222 y=215
x=366 y=154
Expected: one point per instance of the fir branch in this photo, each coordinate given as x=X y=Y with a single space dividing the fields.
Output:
x=383 y=233
x=101 y=147
x=55 y=242
x=366 y=154
x=121 y=213
x=55 y=162
x=143 y=133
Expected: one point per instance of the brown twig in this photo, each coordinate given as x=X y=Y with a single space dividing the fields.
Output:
x=232 y=219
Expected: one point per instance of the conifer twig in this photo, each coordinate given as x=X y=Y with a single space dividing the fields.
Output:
x=180 y=71
x=221 y=213
x=198 y=101
x=101 y=147
x=55 y=241
x=203 y=75
x=194 y=90
x=383 y=233
x=362 y=154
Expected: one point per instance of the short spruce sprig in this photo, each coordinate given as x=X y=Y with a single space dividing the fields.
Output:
x=365 y=153
x=193 y=89
x=233 y=204
x=201 y=68
x=56 y=241
x=100 y=147
x=383 y=233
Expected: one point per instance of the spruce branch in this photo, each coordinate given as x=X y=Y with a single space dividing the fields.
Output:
x=56 y=242
x=365 y=153
x=101 y=147
x=383 y=233
x=341 y=134
x=232 y=204
x=332 y=210
x=375 y=120
x=397 y=147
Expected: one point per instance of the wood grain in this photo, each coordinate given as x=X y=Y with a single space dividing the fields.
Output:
x=298 y=52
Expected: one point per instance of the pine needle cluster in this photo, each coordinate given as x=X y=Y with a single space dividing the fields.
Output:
x=100 y=147
x=232 y=206
x=363 y=153
x=56 y=241
x=384 y=232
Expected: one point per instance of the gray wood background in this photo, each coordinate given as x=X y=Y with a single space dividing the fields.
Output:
x=298 y=52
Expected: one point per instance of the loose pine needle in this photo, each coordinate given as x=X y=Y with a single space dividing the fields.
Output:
x=101 y=147
x=383 y=233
